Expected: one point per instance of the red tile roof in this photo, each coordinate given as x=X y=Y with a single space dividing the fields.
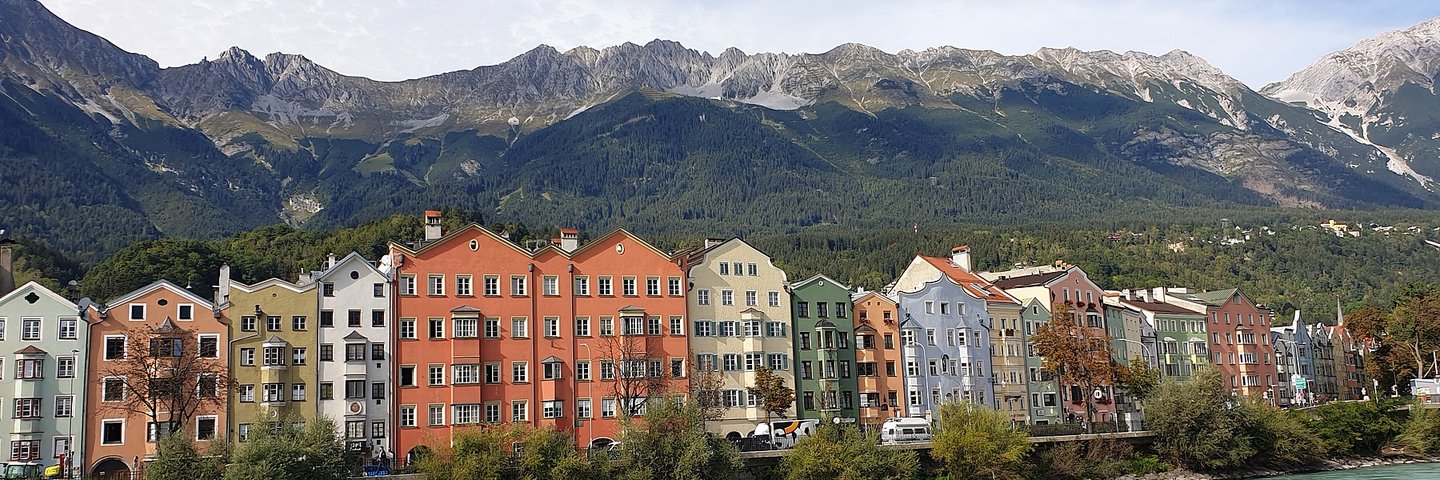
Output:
x=970 y=282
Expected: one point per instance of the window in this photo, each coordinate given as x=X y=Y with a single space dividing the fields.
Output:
x=822 y=310
x=552 y=408
x=653 y=327
x=607 y=326
x=377 y=429
x=652 y=286
x=137 y=312
x=607 y=370
x=65 y=367
x=519 y=411
x=437 y=328
x=492 y=327
x=604 y=284
x=519 y=327
x=552 y=370
x=353 y=319
x=737 y=269
x=247 y=323
x=674 y=284
x=752 y=328
x=492 y=285
x=297 y=323
x=327 y=353
x=582 y=285
x=379 y=290
x=30 y=328
x=354 y=389
x=754 y=269
x=377 y=351
x=517 y=285
x=30 y=368
x=582 y=408
x=297 y=392
x=467 y=328
x=724 y=268
x=519 y=372
x=355 y=429
x=60 y=446
x=751 y=298
x=407 y=284
x=354 y=352
x=607 y=408
x=728 y=329
x=297 y=356
x=465 y=414
x=327 y=289
x=27 y=408
x=436 y=415
x=24 y=450
x=273 y=392
x=272 y=323
x=464 y=286
x=727 y=297
x=242 y=432
x=327 y=318
x=702 y=297
x=776 y=361
x=582 y=370
x=492 y=373
x=112 y=432
x=840 y=309
x=773 y=298
x=802 y=309
x=677 y=326
x=68 y=328
x=327 y=390
x=274 y=356
x=550 y=285
x=247 y=357
x=465 y=374
x=209 y=346
x=377 y=391
x=435 y=284
x=407 y=416
x=492 y=413
x=582 y=326
x=377 y=318
x=552 y=326
x=407 y=375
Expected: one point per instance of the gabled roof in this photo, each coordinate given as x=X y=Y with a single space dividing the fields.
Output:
x=752 y=310
x=39 y=289
x=30 y=350
x=473 y=227
x=168 y=326
x=549 y=248
x=972 y=283
x=157 y=285
x=1214 y=298
x=354 y=335
x=272 y=282
x=862 y=296
x=618 y=231
x=818 y=277
x=464 y=309
x=1034 y=280
x=864 y=327
x=354 y=257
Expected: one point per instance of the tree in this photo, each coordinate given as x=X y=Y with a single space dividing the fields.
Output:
x=168 y=376
x=707 y=390
x=773 y=396
x=1195 y=423
x=670 y=442
x=177 y=459
x=1408 y=335
x=976 y=441
x=639 y=372
x=844 y=452
x=1079 y=355
x=280 y=451
x=508 y=451
x=1138 y=378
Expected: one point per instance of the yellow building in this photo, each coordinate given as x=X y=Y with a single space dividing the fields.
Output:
x=272 y=350
x=1007 y=358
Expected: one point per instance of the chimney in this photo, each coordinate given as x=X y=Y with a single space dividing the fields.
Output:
x=569 y=239
x=711 y=242
x=960 y=257
x=432 y=225
x=7 y=266
x=1162 y=294
x=330 y=261
x=222 y=291
x=1127 y=294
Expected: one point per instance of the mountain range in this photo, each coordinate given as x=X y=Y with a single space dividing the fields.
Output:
x=103 y=147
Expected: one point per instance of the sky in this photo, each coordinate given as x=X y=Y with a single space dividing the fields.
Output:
x=1258 y=42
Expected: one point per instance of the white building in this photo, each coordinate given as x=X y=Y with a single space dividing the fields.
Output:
x=356 y=353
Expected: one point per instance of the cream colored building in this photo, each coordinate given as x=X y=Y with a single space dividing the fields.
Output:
x=740 y=313
x=1007 y=358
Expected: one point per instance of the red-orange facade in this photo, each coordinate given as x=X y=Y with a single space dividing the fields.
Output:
x=563 y=336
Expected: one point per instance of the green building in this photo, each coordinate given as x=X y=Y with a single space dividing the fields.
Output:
x=825 y=374
x=1044 y=390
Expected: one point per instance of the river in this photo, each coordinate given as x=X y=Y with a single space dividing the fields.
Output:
x=1388 y=472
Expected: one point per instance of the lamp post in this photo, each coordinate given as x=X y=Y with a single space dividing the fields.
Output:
x=70 y=421
x=590 y=392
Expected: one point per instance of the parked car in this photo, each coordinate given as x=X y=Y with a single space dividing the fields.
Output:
x=784 y=433
x=905 y=430
x=24 y=471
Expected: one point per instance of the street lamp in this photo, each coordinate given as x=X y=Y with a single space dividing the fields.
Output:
x=590 y=392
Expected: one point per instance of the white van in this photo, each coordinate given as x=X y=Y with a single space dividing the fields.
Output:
x=787 y=432
x=905 y=430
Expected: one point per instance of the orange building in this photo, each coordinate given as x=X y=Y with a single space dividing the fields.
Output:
x=118 y=439
x=564 y=336
x=878 y=358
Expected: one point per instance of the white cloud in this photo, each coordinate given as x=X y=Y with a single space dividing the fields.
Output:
x=1257 y=42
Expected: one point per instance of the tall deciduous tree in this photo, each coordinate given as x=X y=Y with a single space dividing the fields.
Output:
x=1078 y=354
x=1406 y=338
x=1138 y=378
x=167 y=376
x=977 y=442
x=707 y=390
x=638 y=373
x=772 y=393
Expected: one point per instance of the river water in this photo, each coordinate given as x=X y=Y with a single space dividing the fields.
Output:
x=1416 y=471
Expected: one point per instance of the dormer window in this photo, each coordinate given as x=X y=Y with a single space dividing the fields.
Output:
x=137 y=311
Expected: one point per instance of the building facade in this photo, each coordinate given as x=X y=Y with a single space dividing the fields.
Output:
x=1181 y=343
x=160 y=317
x=1044 y=390
x=1294 y=362
x=570 y=337
x=355 y=387
x=945 y=331
x=1239 y=338
x=826 y=368
x=878 y=360
x=741 y=310
x=274 y=352
x=48 y=338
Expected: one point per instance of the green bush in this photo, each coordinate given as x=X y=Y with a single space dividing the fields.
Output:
x=975 y=441
x=1351 y=428
x=1422 y=430
x=844 y=452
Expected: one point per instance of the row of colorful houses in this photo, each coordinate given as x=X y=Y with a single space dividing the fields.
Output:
x=467 y=328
